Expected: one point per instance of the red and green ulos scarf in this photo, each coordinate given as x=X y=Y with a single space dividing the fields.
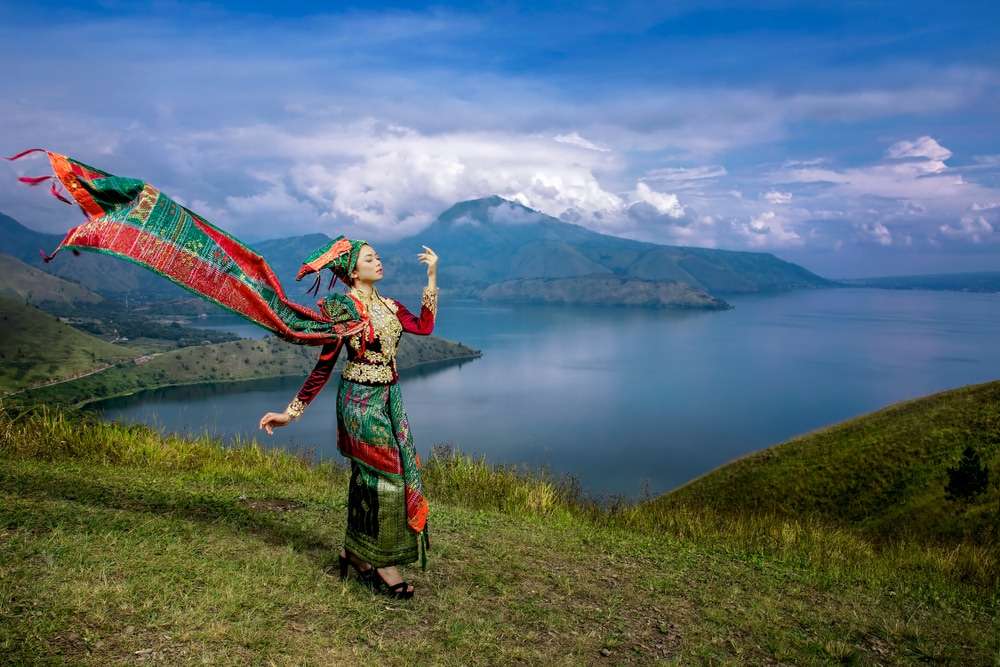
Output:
x=131 y=219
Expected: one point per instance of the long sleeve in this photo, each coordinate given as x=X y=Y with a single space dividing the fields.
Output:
x=317 y=378
x=423 y=325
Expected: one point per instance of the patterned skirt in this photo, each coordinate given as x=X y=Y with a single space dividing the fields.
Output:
x=385 y=498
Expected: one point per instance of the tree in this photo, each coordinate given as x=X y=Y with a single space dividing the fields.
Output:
x=969 y=478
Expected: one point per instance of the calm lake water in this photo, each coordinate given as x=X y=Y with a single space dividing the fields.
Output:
x=633 y=400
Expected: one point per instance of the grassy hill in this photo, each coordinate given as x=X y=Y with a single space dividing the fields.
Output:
x=120 y=545
x=36 y=347
x=882 y=473
x=20 y=281
x=226 y=362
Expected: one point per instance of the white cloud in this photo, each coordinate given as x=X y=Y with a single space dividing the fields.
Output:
x=665 y=203
x=768 y=229
x=924 y=147
x=875 y=231
x=775 y=197
x=972 y=228
x=682 y=175
x=574 y=139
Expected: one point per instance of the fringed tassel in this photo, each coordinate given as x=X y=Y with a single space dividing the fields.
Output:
x=333 y=279
x=33 y=180
x=23 y=153
x=58 y=196
x=423 y=545
x=314 y=290
x=48 y=258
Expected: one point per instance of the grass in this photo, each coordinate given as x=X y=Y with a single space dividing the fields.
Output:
x=66 y=352
x=119 y=545
x=882 y=474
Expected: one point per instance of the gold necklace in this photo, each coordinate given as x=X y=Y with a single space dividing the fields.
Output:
x=384 y=322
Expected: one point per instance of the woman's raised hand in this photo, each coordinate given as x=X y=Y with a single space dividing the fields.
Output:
x=273 y=420
x=430 y=258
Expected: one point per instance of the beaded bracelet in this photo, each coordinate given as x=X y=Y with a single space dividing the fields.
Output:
x=295 y=408
x=429 y=298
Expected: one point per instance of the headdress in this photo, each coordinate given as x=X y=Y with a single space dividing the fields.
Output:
x=339 y=255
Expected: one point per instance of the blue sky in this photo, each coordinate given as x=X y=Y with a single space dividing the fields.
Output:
x=853 y=138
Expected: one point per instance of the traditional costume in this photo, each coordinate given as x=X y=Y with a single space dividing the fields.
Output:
x=131 y=219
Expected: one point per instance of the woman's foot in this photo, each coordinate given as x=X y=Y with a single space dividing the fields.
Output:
x=390 y=575
x=359 y=564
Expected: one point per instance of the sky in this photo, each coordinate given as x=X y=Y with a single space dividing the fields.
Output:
x=854 y=138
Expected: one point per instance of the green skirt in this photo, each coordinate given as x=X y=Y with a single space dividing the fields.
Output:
x=385 y=502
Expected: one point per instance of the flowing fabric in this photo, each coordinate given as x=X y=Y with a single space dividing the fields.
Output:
x=133 y=220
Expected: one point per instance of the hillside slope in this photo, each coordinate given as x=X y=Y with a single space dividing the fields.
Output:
x=121 y=546
x=884 y=472
x=20 y=281
x=36 y=347
x=228 y=362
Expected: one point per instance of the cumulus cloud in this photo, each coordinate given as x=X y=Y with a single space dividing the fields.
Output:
x=921 y=147
x=768 y=229
x=665 y=203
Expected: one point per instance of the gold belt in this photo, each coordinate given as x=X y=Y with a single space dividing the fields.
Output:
x=374 y=373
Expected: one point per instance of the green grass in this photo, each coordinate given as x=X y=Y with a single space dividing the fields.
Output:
x=119 y=544
x=882 y=474
x=36 y=347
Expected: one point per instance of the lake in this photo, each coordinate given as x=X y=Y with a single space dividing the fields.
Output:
x=632 y=400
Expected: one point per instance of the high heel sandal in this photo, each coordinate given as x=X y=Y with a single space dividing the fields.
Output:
x=377 y=582
x=345 y=561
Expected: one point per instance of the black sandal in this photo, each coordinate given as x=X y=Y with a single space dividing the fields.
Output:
x=377 y=582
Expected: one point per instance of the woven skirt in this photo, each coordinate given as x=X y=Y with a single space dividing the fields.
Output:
x=373 y=432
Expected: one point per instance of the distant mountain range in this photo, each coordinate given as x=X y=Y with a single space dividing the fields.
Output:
x=979 y=281
x=482 y=243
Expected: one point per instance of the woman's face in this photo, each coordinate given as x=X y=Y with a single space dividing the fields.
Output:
x=369 y=266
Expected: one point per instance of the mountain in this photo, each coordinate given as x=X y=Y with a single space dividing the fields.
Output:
x=20 y=281
x=489 y=240
x=979 y=281
x=603 y=289
x=481 y=242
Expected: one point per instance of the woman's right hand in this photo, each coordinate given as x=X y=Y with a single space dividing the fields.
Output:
x=274 y=419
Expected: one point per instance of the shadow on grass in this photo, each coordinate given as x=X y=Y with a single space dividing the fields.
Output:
x=232 y=514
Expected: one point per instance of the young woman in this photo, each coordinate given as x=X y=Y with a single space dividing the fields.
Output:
x=133 y=220
x=386 y=511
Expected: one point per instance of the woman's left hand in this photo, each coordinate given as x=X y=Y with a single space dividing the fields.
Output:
x=430 y=258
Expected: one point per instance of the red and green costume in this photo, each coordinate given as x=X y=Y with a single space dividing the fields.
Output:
x=131 y=219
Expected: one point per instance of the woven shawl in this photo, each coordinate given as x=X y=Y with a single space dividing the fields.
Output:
x=131 y=219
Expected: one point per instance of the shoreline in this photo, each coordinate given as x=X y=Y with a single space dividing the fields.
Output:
x=91 y=401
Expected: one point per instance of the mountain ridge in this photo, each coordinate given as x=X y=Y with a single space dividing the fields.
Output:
x=482 y=241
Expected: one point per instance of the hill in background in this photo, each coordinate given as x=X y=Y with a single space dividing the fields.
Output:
x=884 y=473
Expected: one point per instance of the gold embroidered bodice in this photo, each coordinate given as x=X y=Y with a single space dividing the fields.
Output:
x=379 y=359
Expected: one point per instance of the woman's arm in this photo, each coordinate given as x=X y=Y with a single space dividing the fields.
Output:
x=424 y=324
x=310 y=388
x=317 y=378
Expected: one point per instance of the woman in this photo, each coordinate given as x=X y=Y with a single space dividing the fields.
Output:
x=386 y=520
x=133 y=220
